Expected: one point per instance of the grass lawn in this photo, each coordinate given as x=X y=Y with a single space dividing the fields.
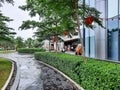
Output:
x=5 y=68
x=7 y=51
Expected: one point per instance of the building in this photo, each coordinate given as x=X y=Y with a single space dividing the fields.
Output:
x=64 y=42
x=101 y=43
x=104 y=43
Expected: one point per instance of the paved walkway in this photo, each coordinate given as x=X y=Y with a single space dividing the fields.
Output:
x=36 y=76
x=70 y=52
x=30 y=71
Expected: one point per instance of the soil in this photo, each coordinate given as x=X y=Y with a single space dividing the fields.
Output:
x=52 y=80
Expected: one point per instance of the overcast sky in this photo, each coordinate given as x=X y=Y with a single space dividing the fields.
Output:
x=18 y=15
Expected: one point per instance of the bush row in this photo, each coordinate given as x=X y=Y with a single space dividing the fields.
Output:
x=30 y=50
x=94 y=75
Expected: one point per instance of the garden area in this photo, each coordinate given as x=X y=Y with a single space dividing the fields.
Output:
x=94 y=75
x=59 y=23
x=5 y=69
x=7 y=51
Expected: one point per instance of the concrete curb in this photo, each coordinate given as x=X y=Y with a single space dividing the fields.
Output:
x=13 y=80
x=72 y=82
x=16 y=79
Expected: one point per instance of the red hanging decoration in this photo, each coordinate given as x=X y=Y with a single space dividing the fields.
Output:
x=54 y=38
x=119 y=18
x=89 y=20
x=66 y=33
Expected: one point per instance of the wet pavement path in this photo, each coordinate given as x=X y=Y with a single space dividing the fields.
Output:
x=30 y=71
x=36 y=76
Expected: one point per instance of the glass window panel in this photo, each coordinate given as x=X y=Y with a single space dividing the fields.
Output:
x=114 y=45
x=87 y=46
x=92 y=3
x=112 y=8
x=92 y=46
x=113 y=29
x=119 y=31
x=87 y=2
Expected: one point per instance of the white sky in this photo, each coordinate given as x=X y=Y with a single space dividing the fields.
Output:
x=18 y=15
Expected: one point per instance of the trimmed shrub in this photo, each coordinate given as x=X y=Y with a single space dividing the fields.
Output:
x=30 y=50
x=94 y=75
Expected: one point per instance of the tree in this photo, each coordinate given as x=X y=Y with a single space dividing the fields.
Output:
x=8 y=1
x=29 y=43
x=8 y=44
x=5 y=31
x=19 y=43
x=63 y=15
x=51 y=22
x=36 y=43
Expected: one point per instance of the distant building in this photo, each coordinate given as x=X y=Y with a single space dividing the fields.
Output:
x=64 y=42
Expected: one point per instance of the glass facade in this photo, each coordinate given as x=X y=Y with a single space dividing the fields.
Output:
x=90 y=36
x=112 y=12
x=90 y=42
x=113 y=39
x=113 y=30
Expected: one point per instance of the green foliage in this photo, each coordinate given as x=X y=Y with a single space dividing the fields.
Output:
x=29 y=43
x=8 y=1
x=19 y=42
x=6 y=51
x=5 y=68
x=57 y=16
x=30 y=50
x=5 y=31
x=94 y=75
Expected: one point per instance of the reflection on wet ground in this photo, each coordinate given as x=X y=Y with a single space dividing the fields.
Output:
x=30 y=71
x=36 y=76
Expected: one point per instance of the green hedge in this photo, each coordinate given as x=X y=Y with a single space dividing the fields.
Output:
x=30 y=50
x=94 y=75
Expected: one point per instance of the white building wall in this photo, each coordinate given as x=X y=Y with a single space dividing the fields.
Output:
x=60 y=46
x=46 y=44
x=101 y=33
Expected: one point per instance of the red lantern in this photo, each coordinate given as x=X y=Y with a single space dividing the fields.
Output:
x=66 y=33
x=89 y=20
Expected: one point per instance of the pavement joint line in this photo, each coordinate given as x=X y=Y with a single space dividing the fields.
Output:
x=72 y=82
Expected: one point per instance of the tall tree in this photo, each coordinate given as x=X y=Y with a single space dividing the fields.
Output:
x=63 y=15
x=51 y=21
x=5 y=31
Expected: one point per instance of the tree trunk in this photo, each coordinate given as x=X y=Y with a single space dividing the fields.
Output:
x=79 y=31
x=56 y=37
x=49 y=44
x=56 y=42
